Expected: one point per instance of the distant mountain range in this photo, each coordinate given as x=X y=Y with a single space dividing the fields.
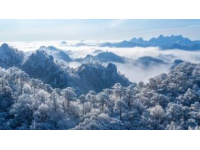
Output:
x=182 y=46
x=144 y=62
x=163 y=42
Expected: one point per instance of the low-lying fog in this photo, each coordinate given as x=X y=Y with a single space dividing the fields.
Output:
x=132 y=72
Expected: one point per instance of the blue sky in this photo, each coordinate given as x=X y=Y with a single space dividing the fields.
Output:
x=95 y=29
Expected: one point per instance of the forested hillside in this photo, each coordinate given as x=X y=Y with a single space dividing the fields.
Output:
x=168 y=101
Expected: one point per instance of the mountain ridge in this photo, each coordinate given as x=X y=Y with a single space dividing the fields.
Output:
x=163 y=42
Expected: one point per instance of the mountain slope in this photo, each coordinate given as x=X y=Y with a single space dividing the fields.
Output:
x=167 y=102
x=10 y=57
x=42 y=66
x=95 y=76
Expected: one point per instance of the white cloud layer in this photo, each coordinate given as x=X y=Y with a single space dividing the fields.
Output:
x=134 y=73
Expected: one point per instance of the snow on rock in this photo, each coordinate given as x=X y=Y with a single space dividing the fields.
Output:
x=9 y=56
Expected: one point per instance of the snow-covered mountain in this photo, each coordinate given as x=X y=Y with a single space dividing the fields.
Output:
x=167 y=102
x=40 y=92
x=42 y=66
x=10 y=57
x=98 y=77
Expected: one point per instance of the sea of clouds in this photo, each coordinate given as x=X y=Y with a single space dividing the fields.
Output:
x=135 y=74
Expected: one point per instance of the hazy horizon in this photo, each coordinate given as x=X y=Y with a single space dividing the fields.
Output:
x=95 y=29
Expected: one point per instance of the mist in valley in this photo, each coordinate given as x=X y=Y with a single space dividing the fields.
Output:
x=135 y=73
